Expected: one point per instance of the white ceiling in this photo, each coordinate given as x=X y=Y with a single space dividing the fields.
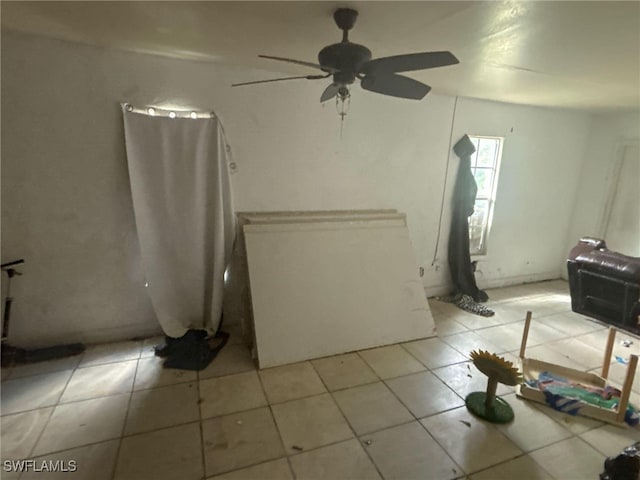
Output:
x=583 y=55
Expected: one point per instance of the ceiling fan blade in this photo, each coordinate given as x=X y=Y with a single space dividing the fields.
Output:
x=395 y=86
x=409 y=62
x=329 y=92
x=300 y=62
x=308 y=77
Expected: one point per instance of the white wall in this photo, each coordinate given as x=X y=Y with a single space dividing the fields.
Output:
x=541 y=161
x=608 y=133
x=66 y=204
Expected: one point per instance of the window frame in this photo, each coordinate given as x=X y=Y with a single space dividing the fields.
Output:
x=491 y=198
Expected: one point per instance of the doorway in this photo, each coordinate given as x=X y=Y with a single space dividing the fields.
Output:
x=622 y=217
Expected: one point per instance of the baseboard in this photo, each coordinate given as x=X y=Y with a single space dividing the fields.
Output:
x=107 y=335
x=486 y=284
x=437 y=290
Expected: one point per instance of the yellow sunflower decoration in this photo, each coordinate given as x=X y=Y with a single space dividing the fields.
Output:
x=496 y=367
x=498 y=370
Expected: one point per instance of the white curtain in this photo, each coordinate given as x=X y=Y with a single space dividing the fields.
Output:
x=184 y=216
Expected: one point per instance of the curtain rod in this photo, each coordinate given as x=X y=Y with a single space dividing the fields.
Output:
x=165 y=112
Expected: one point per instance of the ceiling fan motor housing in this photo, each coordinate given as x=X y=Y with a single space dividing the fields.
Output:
x=345 y=18
x=346 y=58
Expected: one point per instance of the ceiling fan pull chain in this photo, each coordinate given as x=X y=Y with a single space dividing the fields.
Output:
x=341 y=99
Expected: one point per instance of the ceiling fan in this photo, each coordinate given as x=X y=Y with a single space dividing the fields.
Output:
x=347 y=61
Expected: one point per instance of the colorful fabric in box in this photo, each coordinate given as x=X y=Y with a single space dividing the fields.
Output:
x=569 y=397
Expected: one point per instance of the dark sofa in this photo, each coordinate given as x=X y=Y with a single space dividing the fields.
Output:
x=605 y=284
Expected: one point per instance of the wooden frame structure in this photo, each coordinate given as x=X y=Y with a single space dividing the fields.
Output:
x=531 y=369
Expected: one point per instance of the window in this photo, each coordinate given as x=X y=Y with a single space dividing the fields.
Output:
x=485 y=164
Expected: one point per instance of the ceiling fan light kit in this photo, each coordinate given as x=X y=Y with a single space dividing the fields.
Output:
x=347 y=61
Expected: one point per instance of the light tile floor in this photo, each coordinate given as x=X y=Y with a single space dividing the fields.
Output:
x=391 y=412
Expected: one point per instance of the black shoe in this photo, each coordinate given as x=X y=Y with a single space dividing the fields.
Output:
x=189 y=352
x=164 y=349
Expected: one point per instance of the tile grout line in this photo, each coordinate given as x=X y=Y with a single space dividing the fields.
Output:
x=134 y=434
x=71 y=403
x=384 y=382
x=275 y=423
x=53 y=409
x=201 y=428
x=500 y=351
x=35 y=444
x=462 y=470
x=524 y=453
x=368 y=433
x=133 y=390
x=126 y=416
x=11 y=377
x=416 y=419
x=551 y=444
x=346 y=419
x=557 y=421
x=252 y=465
x=545 y=343
x=56 y=452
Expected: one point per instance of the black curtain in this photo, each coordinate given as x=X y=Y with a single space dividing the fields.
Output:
x=464 y=197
